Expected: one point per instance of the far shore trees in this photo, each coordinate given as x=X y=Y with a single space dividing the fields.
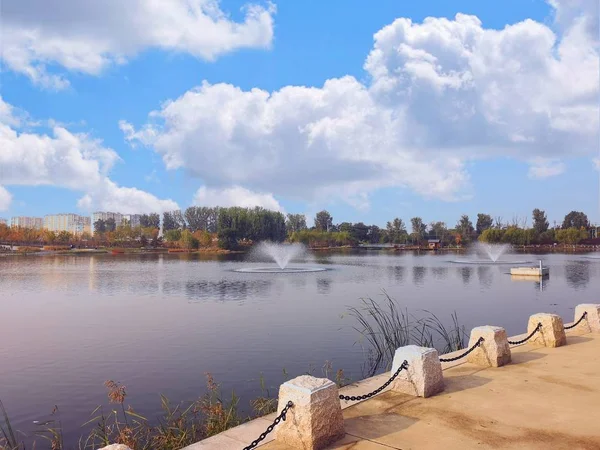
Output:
x=323 y=221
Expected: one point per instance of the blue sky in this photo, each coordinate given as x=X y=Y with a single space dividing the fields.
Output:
x=379 y=141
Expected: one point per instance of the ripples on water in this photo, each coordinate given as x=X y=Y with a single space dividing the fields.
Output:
x=158 y=322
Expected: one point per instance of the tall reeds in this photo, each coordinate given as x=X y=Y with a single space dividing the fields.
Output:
x=385 y=327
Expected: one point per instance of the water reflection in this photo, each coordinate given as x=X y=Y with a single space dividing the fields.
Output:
x=323 y=285
x=465 y=273
x=577 y=274
x=419 y=273
x=222 y=291
x=439 y=273
x=485 y=276
x=396 y=273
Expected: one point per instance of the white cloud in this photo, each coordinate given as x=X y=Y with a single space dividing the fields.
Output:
x=596 y=162
x=440 y=93
x=73 y=161
x=89 y=36
x=5 y=199
x=235 y=196
x=545 y=168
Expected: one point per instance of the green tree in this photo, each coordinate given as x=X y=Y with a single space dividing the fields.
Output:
x=540 y=222
x=575 y=219
x=169 y=222
x=99 y=226
x=295 y=222
x=111 y=225
x=187 y=240
x=172 y=235
x=465 y=228
x=571 y=235
x=359 y=232
x=484 y=221
x=396 y=230
x=150 y=220
x=323 y=221
x=374 y=234
x=438 y=230
x=418 y=228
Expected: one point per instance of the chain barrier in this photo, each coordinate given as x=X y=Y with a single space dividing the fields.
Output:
x=403 y=366
x=456 y=358
x=522 y=341
x=278 y=419
x=583 y=316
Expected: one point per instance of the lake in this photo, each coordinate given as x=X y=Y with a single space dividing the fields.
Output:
x=157 y=323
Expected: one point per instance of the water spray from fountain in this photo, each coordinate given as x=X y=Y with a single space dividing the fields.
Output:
x=282 y=255
x=493 y=251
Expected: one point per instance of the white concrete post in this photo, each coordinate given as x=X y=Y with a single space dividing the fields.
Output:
x=423 y=377
x=315 y=420
x=592 y=318
x=552 y=333
x=494 y=351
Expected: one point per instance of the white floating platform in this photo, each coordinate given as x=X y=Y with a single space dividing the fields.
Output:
x=530 y=271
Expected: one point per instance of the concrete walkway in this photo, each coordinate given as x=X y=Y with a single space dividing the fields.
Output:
x=548 y=398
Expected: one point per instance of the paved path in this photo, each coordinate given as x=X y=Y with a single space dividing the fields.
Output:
x=548 y=398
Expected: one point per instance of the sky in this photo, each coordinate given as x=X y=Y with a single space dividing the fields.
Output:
x=371 y=110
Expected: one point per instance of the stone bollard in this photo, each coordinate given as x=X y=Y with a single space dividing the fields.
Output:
x=552 y=333
x=315 y=420
x=423 y=377
x=494 y=351
x=593 y=315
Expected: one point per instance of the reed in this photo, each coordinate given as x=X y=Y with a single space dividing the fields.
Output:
x=385 y=327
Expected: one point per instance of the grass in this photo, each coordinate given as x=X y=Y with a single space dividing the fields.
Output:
x=385 y=327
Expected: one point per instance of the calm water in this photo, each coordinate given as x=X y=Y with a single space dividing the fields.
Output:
x=157 y=323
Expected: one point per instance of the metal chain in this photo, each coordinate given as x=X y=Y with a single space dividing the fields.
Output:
x=456 y=358
x=583 y=316
x=278 y=419
x=522 y=341
x=403 y=366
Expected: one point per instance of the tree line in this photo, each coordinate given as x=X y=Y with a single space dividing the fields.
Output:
x=235 y=227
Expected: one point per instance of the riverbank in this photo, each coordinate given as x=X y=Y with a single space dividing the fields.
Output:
x=485 y=408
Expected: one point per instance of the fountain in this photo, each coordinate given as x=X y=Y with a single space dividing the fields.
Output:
x=493 y=252
x=281 y=255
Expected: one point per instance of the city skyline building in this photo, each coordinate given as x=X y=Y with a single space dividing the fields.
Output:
x=73 y=223
x=133 y=219
x=36 y=223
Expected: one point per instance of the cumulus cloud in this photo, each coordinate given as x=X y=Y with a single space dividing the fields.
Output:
x=545 y=168
x=235 y=196
x=88 y=37
x=440 y=94
x=5 y=199
x=73 y=161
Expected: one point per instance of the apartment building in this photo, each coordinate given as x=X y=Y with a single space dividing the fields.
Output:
x=73 y=223
x=27 y=222
x=100 y=215
x=133 y=219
